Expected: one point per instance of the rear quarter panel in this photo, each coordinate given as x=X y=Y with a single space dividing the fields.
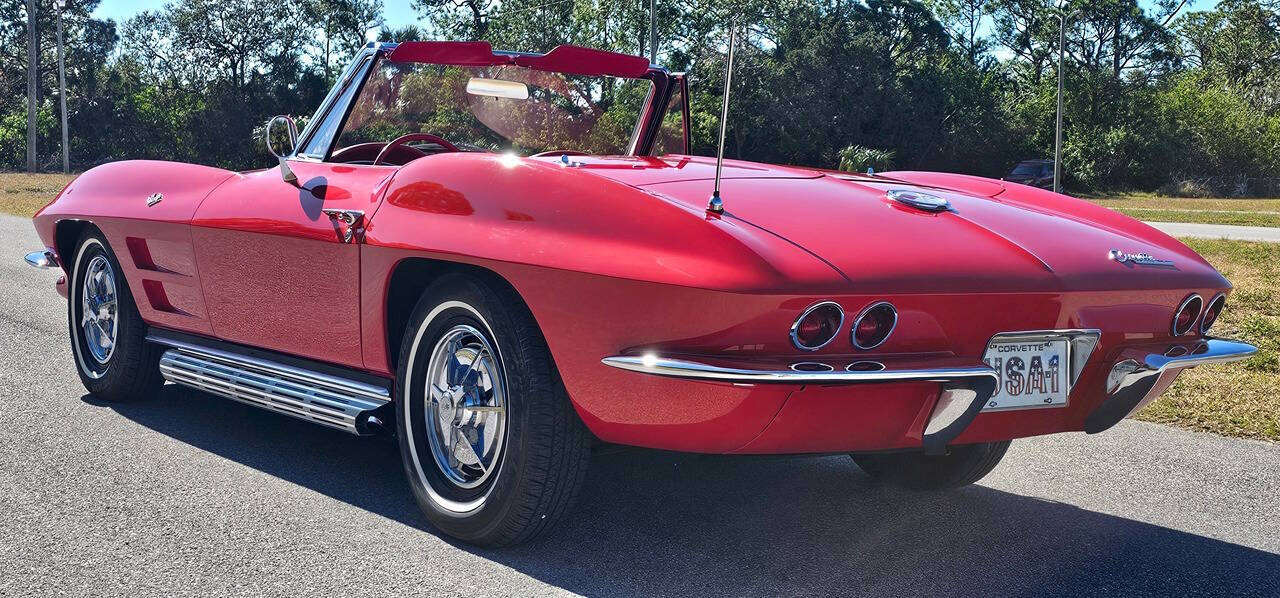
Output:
x=603 y=266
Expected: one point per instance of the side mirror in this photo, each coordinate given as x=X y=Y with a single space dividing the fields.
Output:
x=283 y=129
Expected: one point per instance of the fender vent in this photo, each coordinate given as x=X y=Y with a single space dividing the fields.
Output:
x=319 y=398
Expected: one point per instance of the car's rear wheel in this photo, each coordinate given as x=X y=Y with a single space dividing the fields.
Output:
x=491 y=446
x=108 y=336
x=961 y=466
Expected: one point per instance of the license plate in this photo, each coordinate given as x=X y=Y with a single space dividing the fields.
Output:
x=1032 y=373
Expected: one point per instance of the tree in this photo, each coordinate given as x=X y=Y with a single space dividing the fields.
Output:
x=1238 y=44
x=965 y=21
x=341 y=22
x=208 y=40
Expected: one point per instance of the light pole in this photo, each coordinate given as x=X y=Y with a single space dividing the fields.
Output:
x=653 y=31
x=31 y=85
x=62 y=91
x=1063 y=15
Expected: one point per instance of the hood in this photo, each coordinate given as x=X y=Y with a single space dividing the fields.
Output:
x=987 y=243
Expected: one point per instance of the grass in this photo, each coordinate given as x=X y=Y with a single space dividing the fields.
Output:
x=1205 y=217
x=1241 y=212
x=1241 y=400
x=21 y=194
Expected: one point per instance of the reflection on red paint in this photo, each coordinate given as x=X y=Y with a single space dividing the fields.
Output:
x=433 y=197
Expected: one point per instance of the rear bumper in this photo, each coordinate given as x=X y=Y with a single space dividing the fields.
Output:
x=43 y=259
x=48 y=259
x=1136 y=380
x=879 y=372
x=964 y=387
x=929 y=403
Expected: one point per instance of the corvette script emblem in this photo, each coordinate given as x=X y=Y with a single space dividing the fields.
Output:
x=1139 y=259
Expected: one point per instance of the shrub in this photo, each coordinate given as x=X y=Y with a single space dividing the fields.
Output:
x=857 y=158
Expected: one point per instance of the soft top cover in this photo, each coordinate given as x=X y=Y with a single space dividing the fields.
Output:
x=573 y=60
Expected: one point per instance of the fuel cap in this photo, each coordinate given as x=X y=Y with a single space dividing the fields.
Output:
x=919 y=200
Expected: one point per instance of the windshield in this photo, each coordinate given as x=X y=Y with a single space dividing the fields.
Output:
x=491 y=108
x=1028 y=169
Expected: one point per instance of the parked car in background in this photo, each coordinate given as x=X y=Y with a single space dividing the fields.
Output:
x=503 y=258
x=1037 y=173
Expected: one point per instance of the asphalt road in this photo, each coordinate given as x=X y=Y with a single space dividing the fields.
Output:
x=191 y=495
x=1219 y=231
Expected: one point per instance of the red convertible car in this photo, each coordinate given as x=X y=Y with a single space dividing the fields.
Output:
x=502 y=258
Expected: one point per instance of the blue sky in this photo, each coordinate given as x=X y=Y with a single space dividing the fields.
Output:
x=396 y=12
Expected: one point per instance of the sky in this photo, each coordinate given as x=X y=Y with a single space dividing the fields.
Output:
x=397 y=13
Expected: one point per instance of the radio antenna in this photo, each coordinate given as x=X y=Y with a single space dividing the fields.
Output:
x=716 y=204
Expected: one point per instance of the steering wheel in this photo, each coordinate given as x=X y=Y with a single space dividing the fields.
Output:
x=559 y=153
x=403 y=139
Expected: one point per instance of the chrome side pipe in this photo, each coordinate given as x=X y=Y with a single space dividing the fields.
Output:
x=324 y=399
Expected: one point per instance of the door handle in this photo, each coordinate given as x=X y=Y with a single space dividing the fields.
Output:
x=351 y=220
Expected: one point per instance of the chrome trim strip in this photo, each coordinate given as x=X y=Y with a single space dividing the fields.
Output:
x=1173 y=326
x=1208 y=306
x=312 y=396
x=693 y=370
x=1139 y=387
x=42 y=259
x=853 y=332
x=808 y=310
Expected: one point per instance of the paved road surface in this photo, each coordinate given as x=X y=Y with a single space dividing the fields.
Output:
x=1219 y=231
x=191 y=495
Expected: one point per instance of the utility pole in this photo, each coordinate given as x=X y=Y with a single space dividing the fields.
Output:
x=653 y=31
x=1057 y=143
x=31 y=85
x=62 y=92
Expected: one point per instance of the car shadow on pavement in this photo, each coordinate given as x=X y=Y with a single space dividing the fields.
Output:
x=660 y=523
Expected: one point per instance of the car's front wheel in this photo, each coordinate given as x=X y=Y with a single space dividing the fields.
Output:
x=961 y=466
x=492 y=447
x=108 y=336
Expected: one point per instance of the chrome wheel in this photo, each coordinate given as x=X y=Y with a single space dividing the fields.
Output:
x=98 y=309
x=466 y=417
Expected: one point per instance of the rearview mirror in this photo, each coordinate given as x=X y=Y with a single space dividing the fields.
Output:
x=497 y=88
x=283 y=130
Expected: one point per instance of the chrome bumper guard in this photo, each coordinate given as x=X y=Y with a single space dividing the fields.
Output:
x=966 y=387
x=1141 y=382
x=42 y=259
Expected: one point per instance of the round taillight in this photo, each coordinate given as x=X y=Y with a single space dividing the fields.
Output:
x=1212 y=312
x=874 y=325
x=1185 y=318
x=817 y=326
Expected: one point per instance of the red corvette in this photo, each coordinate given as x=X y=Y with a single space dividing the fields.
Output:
x=501 y=258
